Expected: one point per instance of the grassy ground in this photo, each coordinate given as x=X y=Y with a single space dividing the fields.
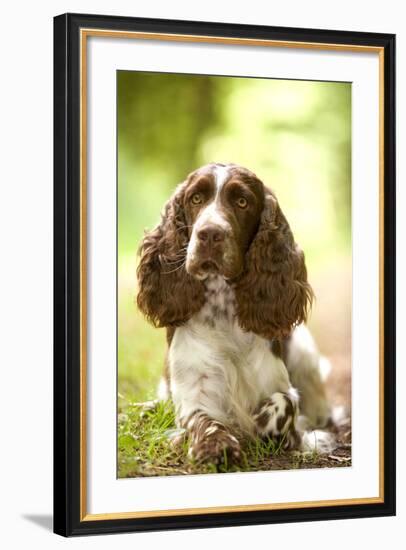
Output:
x=145 y=448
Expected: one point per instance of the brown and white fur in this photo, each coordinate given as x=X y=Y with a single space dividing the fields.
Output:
x=224 y=275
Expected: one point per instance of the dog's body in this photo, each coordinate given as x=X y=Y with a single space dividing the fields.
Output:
x=224 y=275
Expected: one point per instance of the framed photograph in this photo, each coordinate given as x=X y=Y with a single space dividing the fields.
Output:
x=224 y=254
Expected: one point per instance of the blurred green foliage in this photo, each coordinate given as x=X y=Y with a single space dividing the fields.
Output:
x=295 y=135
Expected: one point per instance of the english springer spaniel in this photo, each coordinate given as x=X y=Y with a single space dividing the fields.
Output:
x=223 y=274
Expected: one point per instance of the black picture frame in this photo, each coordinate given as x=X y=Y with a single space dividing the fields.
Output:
x=67 y=381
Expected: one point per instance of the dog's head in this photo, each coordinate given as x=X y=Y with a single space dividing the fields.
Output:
x=223 y=205
x=223 y=220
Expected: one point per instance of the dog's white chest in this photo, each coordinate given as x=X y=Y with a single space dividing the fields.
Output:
x=219 y=308
x=217 y=324
x=216 y=366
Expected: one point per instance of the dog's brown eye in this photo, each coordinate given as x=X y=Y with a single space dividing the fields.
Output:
x=197 y=198
x=242 y=203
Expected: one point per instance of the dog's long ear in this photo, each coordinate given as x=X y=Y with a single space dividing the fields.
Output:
x=167 y=294
x=273 y=294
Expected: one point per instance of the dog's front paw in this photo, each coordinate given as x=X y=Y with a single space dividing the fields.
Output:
x=216 y=447
x=275 y=418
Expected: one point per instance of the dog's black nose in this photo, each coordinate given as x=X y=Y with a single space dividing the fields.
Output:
x=211 y=235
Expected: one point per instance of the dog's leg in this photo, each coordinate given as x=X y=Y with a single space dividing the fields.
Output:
x=210 y=440
x=200 y=406
x=200 y=393
x=201 y=412
x=307 y=374
x=276 y=418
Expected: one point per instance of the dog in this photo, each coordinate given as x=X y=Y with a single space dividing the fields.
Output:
x=225 y=277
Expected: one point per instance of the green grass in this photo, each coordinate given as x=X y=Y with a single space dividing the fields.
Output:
x=145 y=448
